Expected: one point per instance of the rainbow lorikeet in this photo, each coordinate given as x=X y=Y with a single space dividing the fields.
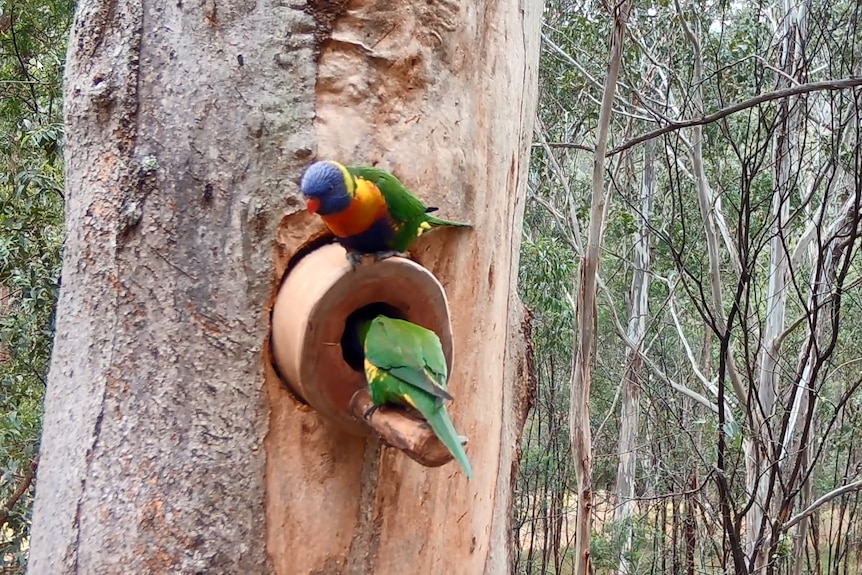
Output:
x=404 y=364
x=368 y=209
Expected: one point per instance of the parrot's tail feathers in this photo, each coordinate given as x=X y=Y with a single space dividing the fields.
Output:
x=440 y=222
x=442 y=426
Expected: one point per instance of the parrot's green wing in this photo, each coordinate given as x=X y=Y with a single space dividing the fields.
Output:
x=421 y=379
x=432 y=352
x=408 y=215
x=409 y=352
x=403 y=205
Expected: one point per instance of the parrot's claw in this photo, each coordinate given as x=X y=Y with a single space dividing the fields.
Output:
x=462 y=439
x=369 y=412
x=380 y=256
x=355 y=258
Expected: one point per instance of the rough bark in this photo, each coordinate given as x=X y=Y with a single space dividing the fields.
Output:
x=170 y=445
x=183 y=134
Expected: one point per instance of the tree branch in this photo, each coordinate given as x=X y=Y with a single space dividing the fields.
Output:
x=636 y=348
x=23 y=65
x=22 y=488
x=574 y=226
x=842 y=84
x=821 y=501
x=830 y=85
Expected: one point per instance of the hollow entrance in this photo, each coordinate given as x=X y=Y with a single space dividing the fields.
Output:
x=351 y=346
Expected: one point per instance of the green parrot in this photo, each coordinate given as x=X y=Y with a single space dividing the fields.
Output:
x=404 y=364
x=367 y=209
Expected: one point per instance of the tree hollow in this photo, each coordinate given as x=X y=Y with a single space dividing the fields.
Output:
x=310 y=316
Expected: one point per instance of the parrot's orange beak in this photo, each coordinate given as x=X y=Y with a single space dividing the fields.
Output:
x=312 y=204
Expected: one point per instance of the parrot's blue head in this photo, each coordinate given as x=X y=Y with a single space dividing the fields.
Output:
x=327 y=187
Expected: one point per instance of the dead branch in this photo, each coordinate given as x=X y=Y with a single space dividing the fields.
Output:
x=22 y=488
x=821 y=501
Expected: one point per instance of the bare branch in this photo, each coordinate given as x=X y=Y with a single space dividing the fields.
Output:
x=574 y=228
x=842 y=84
x=829 y=85
x=572 y=62
x=821 y=501
x=19 y=492
x=684 y=340
x=636 y=348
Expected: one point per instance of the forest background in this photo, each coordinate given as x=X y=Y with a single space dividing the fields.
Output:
x=723 y=417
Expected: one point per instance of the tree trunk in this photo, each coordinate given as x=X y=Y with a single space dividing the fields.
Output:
x=630 y=410
x=789 y=143
x=585 y=312
x=170 y=445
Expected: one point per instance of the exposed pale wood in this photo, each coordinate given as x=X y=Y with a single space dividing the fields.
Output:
x=443 y=95
x=308 y=325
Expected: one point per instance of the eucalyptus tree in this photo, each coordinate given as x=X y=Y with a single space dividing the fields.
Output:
x=170 y=443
